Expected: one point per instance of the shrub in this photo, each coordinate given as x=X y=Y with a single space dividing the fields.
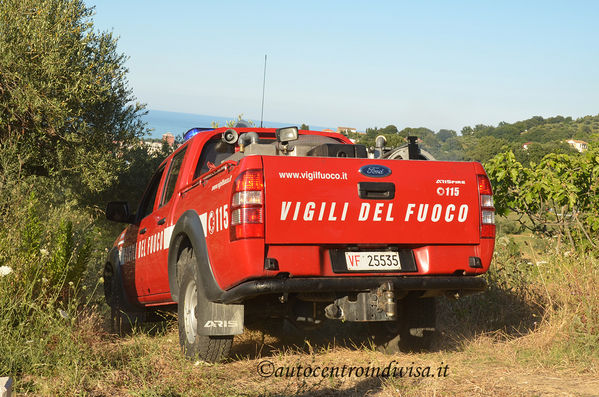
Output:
x=46 y=245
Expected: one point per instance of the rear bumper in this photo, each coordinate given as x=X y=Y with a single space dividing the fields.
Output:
x=431 y=286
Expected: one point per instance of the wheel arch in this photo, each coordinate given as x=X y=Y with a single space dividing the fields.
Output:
x=189 y=233
x=123 y=301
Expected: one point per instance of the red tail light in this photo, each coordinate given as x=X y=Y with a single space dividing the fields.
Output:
x=487 y=210
x=250 y=180
x=247 y=206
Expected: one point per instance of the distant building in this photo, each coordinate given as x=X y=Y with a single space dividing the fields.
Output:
x=526 y=145
x=169 y=138
x=327 y=130
x=346 y=130
x=153 y=147
x=581 y=146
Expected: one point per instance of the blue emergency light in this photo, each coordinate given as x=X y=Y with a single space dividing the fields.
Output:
x=194 y=131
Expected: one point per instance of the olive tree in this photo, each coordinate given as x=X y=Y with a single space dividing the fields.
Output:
x=64 y=97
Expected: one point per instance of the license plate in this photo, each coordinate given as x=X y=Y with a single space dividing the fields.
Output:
x=369 y=261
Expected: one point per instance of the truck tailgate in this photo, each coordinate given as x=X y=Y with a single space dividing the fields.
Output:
x=317 y=200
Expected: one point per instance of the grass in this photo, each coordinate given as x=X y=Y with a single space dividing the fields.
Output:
x=534 y=331
x=150 y=365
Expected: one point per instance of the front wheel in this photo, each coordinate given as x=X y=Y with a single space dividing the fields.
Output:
x=191 y=302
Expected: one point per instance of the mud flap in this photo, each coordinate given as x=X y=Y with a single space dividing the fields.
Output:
x=216 y=319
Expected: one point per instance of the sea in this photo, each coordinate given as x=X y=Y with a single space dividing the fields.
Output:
x=161 y=121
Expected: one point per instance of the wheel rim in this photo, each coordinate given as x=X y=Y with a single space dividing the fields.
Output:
x=189 y=311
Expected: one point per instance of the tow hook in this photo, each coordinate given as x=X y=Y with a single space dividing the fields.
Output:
x=375 y=305
x=333 y=311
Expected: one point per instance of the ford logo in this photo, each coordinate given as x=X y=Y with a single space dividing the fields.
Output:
x=375 y=171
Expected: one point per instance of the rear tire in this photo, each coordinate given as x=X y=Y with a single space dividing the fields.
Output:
x=413 y=331
x=191 y=301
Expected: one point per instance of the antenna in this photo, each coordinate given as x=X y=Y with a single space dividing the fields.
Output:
x=263 y=87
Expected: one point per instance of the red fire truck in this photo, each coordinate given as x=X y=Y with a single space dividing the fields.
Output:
x=259 y=223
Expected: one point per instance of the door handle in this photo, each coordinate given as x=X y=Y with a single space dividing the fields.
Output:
x=143 y=231
x=161 y=222
x=376 y=190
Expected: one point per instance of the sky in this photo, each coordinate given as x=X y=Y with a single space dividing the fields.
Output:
x=434 y=64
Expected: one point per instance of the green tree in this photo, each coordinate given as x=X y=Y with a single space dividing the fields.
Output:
x=304 y=127
x=556 y=196
x=466 y=131
x=444 y=135
x=133 y=179
x=451 y=149
x=390 y=129
x=484 y=148
x=536 y=151
x=64 y=98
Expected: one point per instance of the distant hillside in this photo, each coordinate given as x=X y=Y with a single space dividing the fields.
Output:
x=481 y=142
x=540 y=130
x=478 y=143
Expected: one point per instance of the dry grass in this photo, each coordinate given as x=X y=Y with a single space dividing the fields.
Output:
x=534 y=332
x=151 y=365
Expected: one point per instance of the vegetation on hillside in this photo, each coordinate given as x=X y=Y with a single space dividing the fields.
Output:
x=69 y=132
x=64 y=98
x=482 y=142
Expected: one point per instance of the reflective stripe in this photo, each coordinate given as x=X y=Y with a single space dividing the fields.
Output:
x=168 y=232
x=203 y=218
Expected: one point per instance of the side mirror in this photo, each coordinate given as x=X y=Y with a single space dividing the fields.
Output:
x=118 y=211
